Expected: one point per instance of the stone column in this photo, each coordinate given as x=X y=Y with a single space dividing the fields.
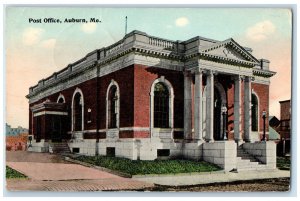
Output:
x=247 y=109
x=237 y=109
x=187 y=106
x=210 y=106
x=198 y=106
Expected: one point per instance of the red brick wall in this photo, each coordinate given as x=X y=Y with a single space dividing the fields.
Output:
x=135 y=85
x=263 y=97
x=89 y=94
x=262 y=92
x=230 y=107
x=124 y=78
x=143 y=78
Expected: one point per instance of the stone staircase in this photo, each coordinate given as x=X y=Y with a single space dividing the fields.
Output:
x=59 y=148
x=246 y=162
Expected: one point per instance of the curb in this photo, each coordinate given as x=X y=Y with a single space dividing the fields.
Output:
x=121 y=174
x=177 y=174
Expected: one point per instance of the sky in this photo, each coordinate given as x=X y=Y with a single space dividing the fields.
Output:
x=35 y=50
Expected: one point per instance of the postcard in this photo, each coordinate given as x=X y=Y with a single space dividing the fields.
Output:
x=148 y=98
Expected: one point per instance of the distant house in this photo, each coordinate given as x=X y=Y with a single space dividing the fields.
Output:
x=15 y=131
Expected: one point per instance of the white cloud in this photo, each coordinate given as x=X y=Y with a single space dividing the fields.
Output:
x=49 y=44
x=89 y=27
x=32 y=36
x=260 y=31
x=182 y=21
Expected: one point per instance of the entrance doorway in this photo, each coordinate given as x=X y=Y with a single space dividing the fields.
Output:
x=217 y=115
x=77 y=112
x=56 y=129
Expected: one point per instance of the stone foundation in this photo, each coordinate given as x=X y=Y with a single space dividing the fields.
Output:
x=41 y=146
x=221 y=153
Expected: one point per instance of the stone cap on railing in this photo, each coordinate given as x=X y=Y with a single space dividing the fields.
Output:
x=264 y=64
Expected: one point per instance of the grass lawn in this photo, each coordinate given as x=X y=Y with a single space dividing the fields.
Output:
x=134 y=167
x=11 y=173
x=283 y=163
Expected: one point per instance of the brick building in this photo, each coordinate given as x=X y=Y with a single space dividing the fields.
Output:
x=16 y=142
x=284 y=127
x=285 y=119
x=145 y=97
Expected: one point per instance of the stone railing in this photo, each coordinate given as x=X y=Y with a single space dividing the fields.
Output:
x=114 y=48
x=63 y=73
x=103 y=53
x=49 y=80
x=78 y=64
x=161 y=43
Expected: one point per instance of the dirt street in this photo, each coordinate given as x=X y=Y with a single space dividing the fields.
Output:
x=265 y=185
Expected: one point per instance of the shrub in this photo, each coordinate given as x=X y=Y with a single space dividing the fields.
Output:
x=135 y=167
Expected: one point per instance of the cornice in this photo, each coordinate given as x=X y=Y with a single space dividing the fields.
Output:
x=263 y=73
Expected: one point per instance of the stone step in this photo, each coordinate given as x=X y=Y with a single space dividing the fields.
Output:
x=251 y=169
x=55 y=148
x=247 y=164
x=244 y=155
x=251 y=158
x=60 y=147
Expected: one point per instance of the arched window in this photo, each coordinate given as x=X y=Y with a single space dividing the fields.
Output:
x=161 y=106
x=113 y=102
x=61 y=99
x=112 y=110
x=77 y=111
x=254 y=112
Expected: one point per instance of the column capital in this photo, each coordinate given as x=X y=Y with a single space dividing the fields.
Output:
x=249 y=78
x=210 y=72
x=199 y=71
x=186 y=73
x=238 y=78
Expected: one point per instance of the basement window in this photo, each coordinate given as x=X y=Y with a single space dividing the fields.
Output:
x=110 y=151
x=163 y=152
x=75 y=150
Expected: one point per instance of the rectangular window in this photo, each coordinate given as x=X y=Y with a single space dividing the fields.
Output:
x=163 y=152
x=75 y=150
x=110 y=151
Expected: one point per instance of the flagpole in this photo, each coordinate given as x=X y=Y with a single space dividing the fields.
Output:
x=125 y=25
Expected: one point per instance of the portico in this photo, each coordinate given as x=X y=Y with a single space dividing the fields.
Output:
x=236 y=63
x=208 y=90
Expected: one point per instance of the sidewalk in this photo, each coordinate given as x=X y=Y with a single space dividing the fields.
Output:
x=48 y=172
x=213 y=177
